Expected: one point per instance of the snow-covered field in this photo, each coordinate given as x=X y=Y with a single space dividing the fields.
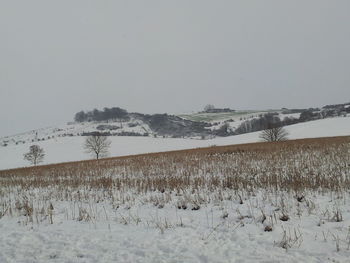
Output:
x=253 y=203
x=64 y=149
x=223 y=232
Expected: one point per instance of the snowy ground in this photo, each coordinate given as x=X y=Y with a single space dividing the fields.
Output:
x=63 y=149
x=225 y=232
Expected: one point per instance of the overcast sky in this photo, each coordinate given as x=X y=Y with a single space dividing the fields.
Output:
x=59 y=57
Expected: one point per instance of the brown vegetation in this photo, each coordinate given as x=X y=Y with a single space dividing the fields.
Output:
x=291 y=165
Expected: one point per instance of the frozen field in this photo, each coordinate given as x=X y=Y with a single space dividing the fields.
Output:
x=64 y=149
x=286 y=202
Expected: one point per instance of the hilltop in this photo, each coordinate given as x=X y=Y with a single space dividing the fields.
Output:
x=207 y=124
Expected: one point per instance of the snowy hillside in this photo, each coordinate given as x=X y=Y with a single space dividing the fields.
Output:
x=69 y=148
x=201 y=125
x=76 y=129
x=133 y=127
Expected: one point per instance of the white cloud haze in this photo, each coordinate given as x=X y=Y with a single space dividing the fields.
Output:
x=58 y=57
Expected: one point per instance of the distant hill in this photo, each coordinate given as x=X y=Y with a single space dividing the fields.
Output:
x=201 y=125
x=61 y=148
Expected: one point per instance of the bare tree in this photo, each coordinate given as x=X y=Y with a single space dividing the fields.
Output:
x=35 y=155
x=274 y=134
x=97 y=145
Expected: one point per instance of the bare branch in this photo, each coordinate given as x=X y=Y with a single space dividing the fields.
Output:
x=97 y=145
x=35 y=155
x=274 y=134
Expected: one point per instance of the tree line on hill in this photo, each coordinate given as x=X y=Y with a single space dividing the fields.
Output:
x=267 y=120
x=171 y=125
x=106 y=114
